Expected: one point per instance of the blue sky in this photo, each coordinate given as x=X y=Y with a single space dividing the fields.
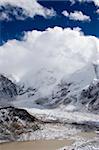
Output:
x=14 y=28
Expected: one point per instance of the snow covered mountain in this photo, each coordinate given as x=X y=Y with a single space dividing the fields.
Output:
x=80 y=89
x=66 y=91
x=73 y=100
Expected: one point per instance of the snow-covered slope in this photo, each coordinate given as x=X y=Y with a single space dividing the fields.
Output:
x=79 y=89
x=68 y=90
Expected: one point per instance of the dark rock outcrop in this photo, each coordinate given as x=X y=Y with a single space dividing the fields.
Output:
x=14 y=122
x=90 y=96
x=7 y=88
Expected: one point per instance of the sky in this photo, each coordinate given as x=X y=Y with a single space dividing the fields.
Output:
x=14 y=21
x=43 y=41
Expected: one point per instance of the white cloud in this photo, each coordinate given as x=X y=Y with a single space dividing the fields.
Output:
x=97 y=11
x=65 y=13
x=4 y=16
x=43 y=58
x=76 y=15
x=30 y=7
x=96 y=2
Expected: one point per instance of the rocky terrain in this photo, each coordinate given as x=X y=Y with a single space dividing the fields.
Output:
x=15 y=122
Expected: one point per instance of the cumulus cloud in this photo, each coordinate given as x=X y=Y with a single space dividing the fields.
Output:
x=4 y=16
x=65 y=13
x=43 y=58
x=96 y=2
x=76 y=15
x=30 y=8
x=97 y=11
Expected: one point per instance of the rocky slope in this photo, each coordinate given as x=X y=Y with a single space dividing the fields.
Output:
x=15 y=122
x=8 y=91
x=7 y=88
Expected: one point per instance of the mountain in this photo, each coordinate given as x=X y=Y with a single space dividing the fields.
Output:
x=74 y=100
x=80 y=89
